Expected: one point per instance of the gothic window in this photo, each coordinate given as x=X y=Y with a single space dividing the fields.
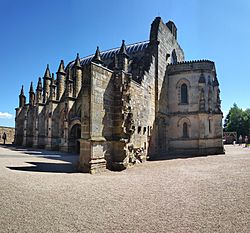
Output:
x=185 y=130
x=184 y=94
x=184 y=125
x=183 y=86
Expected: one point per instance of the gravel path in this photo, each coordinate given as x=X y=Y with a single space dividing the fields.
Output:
x=40 y=192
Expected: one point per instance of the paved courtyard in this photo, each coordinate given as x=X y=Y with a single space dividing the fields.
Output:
x=40 y=191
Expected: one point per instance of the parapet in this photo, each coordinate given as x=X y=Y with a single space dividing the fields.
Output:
x=205 y=65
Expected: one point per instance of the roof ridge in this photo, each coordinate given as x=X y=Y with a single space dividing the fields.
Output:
x=116 y=49
x=113 y=49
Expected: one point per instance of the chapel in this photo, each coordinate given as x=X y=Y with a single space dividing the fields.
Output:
x=125 y=105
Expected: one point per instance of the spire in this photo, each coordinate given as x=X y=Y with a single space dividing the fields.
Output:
x=121 y=62
x=22 y=91
x=123 y=49
x=31 y=95
x=39 y=85
x=77 y=61
x=39 y=90
x=31 y=88
x=22 y=98
x=97 y=58
x=61 y=68
x=47 y=72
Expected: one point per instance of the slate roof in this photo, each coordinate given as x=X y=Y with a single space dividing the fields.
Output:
x=132 y=48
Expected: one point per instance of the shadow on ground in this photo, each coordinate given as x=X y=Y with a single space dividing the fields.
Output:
x=47 y=167
x=179 y=156
x=69 y=165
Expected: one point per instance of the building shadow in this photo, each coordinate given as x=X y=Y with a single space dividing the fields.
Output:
x=69 y=165
x=47 y=167
x=178 y=156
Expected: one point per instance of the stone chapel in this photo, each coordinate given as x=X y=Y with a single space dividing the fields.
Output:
x=124 y=105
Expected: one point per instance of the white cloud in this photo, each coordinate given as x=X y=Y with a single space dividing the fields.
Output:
x=5 y=115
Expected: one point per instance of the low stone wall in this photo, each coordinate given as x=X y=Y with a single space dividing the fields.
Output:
x=10 y=133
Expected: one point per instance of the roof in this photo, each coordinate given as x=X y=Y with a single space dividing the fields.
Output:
x=132 y=48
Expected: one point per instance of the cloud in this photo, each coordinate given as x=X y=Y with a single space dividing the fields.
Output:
x=5 y=115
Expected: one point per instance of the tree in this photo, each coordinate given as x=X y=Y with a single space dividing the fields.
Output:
x=237 y=120
x=226 y=121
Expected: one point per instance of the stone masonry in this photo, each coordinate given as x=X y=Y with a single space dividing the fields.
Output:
x=121 y=106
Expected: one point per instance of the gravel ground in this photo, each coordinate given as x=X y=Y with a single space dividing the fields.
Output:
x=41 y=192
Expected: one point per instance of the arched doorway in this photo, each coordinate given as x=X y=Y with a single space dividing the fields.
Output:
x=74 y=136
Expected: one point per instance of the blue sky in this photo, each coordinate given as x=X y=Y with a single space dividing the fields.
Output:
x=34 y=33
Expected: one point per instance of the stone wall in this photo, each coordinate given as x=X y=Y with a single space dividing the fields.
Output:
x=96 y=147
x=143 y=108
x=10 y=133
x=203 y=124
x=165 y=49
x=126 y=102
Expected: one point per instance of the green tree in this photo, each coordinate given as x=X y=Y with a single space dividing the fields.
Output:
x=237 y=120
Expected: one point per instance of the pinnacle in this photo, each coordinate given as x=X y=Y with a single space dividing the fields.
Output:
x=39 y=84
x=97 y=57
x=47 y=72
x=123 y=49
x=31 y=88
x=22 y=91
x=77 y=61
x=61 y=68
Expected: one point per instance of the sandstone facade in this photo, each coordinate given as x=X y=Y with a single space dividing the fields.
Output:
x=122 y=105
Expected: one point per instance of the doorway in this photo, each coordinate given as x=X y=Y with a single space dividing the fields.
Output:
x=74 y=136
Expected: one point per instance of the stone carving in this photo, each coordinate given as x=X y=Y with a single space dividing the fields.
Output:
x=136 y=155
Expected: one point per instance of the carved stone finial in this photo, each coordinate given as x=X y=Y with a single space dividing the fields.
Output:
x=31 y=88
x=61 y=68
x=22 y=91
x=39 y=85
x=77 y=61
x=123 y=49
x=97 y=58
x=47 y=72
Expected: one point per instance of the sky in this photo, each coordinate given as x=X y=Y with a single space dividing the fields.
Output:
x=37 y=33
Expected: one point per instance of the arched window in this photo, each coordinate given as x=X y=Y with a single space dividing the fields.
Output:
x=185 y=130
x=184 y=94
